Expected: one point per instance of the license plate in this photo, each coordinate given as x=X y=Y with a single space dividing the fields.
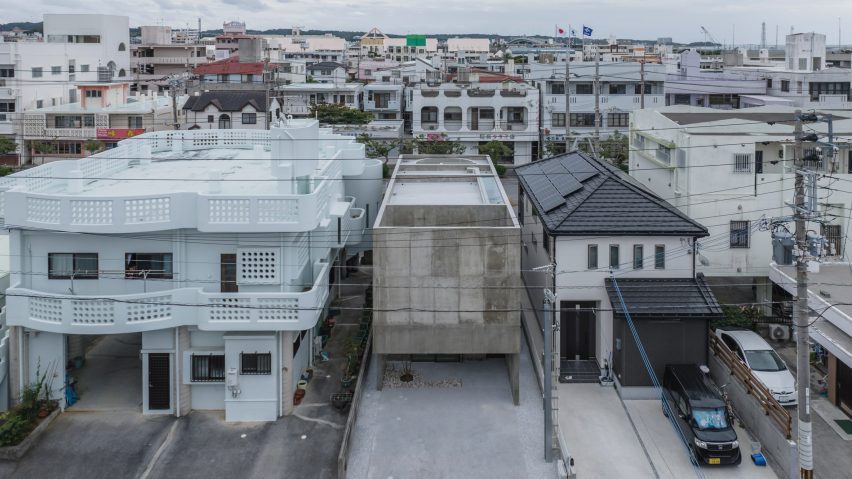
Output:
x=714 y=460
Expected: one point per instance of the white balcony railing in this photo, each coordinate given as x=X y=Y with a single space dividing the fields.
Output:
x=167 y=61
x=72 y=314
x=84 y=133
x=371 y=105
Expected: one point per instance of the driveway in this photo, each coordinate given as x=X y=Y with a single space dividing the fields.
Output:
x=669 y=454
x=591 y=416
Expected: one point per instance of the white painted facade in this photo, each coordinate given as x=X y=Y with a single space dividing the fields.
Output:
x=695 y=167
x=297 y=98
x=478 y=113
x=281 y=210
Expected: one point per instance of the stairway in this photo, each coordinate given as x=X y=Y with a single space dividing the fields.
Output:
x=582 y=371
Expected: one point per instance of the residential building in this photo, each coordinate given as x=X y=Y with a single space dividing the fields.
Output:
x=830 y=323
x=467 y=50
x=384 y=100
x=158 y=57
x=687 y=84
x=445 y=264
x=77 y=48
x=298 y=98
x=620 y=86
x=327 y=72
x=375 y=44
x=103 y=115
x=228 y=43
x=495 y=108
x=307 y=48
x=733 y=171
x=232 y=73
x=610 y=240
x=214 y=273
x=225 y=110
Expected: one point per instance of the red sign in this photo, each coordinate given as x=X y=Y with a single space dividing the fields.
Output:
x=118 y=133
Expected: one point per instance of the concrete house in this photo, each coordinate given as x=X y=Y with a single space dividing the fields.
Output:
x=327 y=72
x=605 y=232
x=177 y=280
x=224 y=110
x=446 y=266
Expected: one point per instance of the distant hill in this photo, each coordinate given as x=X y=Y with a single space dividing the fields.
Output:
x=29 y=26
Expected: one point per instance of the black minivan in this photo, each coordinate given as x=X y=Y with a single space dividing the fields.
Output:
x=701 y=415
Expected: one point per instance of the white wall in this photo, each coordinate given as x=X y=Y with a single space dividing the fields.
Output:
x=258 y=396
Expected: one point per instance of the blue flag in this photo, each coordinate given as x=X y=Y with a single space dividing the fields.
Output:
x=587 y=31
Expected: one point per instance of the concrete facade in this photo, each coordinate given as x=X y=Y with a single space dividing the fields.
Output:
x=447 y=264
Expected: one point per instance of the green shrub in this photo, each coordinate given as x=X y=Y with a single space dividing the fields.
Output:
x=14 y=429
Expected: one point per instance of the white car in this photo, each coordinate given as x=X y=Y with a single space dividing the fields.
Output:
x=764 y=363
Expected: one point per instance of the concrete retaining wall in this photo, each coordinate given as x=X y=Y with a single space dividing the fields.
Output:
x=781 y=453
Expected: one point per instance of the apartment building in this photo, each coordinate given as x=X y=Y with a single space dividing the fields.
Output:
x=609 y=238
x=446 y=274
x=733 y=172
x=298 y=98
x=384 y=100
x=215 y=281
x=233 y=73
x=687 y=84
x=76 y=48
x=375 y=44
x=309 y=49
x=495 y=108
x=158 y=57
x=620 y=85
x=104 y=115
x=228 y=43
x=327 y=72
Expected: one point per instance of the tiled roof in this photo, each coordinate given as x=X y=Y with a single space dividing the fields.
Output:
x=667 y=297
x=576 y=195
x=227 y=100
x=229 y=66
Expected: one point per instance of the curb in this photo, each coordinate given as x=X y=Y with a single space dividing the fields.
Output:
x=14 y=453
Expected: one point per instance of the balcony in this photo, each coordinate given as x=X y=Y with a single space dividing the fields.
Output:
x=383 y=105
x=452 y=93
x=59 y=133
x=209 y=311
x=513 y=93
x=478 y=93
x=297 y=109
x=135 y=61
x=513 y=125
x=429 y=93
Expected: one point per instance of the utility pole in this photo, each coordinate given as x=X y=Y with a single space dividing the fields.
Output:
x=800 y=311
x=174 y=83
x=548 y=324
x=567 y=93
x=642 y=79
x=597 y=101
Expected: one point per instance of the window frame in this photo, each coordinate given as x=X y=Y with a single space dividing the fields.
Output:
x=259 y=368
x=208 y=378
x=250 y=116
x=660 y=256
x=135 y=121
x=743 y=231
x=37 y=72
x=589 y=255
x=617 y=256
x=74 y=268
x=162 y=274
x=638 y=256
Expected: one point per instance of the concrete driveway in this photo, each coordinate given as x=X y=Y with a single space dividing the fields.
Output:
x=599 y=435
x=669 y=454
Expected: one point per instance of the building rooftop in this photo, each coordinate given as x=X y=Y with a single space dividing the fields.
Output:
x=658 y=298
x=133 y=105
x=230 y=66
x=576 y=194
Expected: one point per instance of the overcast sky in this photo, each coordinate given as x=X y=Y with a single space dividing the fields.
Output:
x=726 y=20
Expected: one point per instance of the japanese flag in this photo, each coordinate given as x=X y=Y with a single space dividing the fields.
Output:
x=560 y=30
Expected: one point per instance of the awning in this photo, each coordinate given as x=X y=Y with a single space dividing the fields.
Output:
x=833 y=339
x=686 y=298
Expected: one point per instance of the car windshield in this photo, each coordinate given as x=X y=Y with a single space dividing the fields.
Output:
x=710 y=418
x=764 y=360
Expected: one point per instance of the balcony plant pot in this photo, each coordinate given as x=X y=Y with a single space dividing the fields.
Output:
x=298 y=396
x=347 y=381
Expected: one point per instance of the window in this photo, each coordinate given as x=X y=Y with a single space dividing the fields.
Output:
x=664 y=154
x=585 y=89
x=618 y=119
x=639 y=141
x=249 y=118
x=785 y=85
x=557 y=88
x=617 y=89
x=740 y=234
x=55 y=70
x=39 y=103
x=121 y=47
x=207 y=367
x=209 y=118
x=94 y=94
x=148 y=265
x=76 y=265
x=68 y=148
x=84 y=68
x=557 y=119
x=834 y=238
x=486 y=114
x=37 y=71
x=134 y=122
x=637 y=256
x=660 y=256
x=768 y=83
x=593 y=256
x=637 y=89
x=803 y=63
x=7 y=72
x=742 y=162
x=583 y=119
x=255 y=363
x=613 y=256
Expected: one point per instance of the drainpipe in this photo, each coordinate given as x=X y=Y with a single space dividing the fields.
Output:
x=177 y=372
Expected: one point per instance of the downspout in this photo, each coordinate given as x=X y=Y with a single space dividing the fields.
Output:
x=176 y=369
x=21 y=360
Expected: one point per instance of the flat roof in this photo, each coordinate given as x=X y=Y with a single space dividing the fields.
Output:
x=831 y=283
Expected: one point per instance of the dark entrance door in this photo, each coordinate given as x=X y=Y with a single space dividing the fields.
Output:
x=844 y=387
x=577 y=329
x=158 y=381
x=228 y=274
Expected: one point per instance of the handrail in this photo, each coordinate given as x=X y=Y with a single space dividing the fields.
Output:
x=771 y=407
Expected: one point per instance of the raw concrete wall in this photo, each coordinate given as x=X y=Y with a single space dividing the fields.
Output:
x=446 y=291
x=775 y=445
x=447 y=216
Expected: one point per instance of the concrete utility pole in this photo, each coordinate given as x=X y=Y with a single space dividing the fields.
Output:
x=800 y=312
x=548 y=378
x=642 y=79
x=597 y=102
x=567 y=93
x=174 y=83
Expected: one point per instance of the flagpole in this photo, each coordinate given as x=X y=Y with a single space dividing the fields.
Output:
x=567 y=92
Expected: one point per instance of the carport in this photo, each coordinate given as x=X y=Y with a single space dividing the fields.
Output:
x=111 y=375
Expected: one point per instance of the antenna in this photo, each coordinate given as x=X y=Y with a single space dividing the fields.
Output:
x=763 y=35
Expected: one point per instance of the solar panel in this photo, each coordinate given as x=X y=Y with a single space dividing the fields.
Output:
x=565 y=184
x=550 y=199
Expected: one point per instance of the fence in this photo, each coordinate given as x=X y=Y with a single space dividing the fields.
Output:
x=776 y=412
x=343 y=455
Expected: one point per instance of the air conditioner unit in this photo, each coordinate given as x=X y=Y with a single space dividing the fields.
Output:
x=779 y=332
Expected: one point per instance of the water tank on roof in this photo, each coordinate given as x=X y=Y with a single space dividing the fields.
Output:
x=782 y=247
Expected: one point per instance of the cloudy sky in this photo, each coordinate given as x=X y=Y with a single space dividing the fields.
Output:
x=727 y=20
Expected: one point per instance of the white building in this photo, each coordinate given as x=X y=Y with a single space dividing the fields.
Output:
x=687 y=84
x=384 y=100
x=298 y=98
x=77 y=48
x=733 y=172
x=158 y=57
x=216 y=272
x=308 y=48
x=476 y=113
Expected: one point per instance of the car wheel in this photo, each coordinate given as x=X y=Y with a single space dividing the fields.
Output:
x=739 y=459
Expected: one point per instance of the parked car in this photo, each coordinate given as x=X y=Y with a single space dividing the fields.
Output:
x=701 y=415
x=764 y=362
